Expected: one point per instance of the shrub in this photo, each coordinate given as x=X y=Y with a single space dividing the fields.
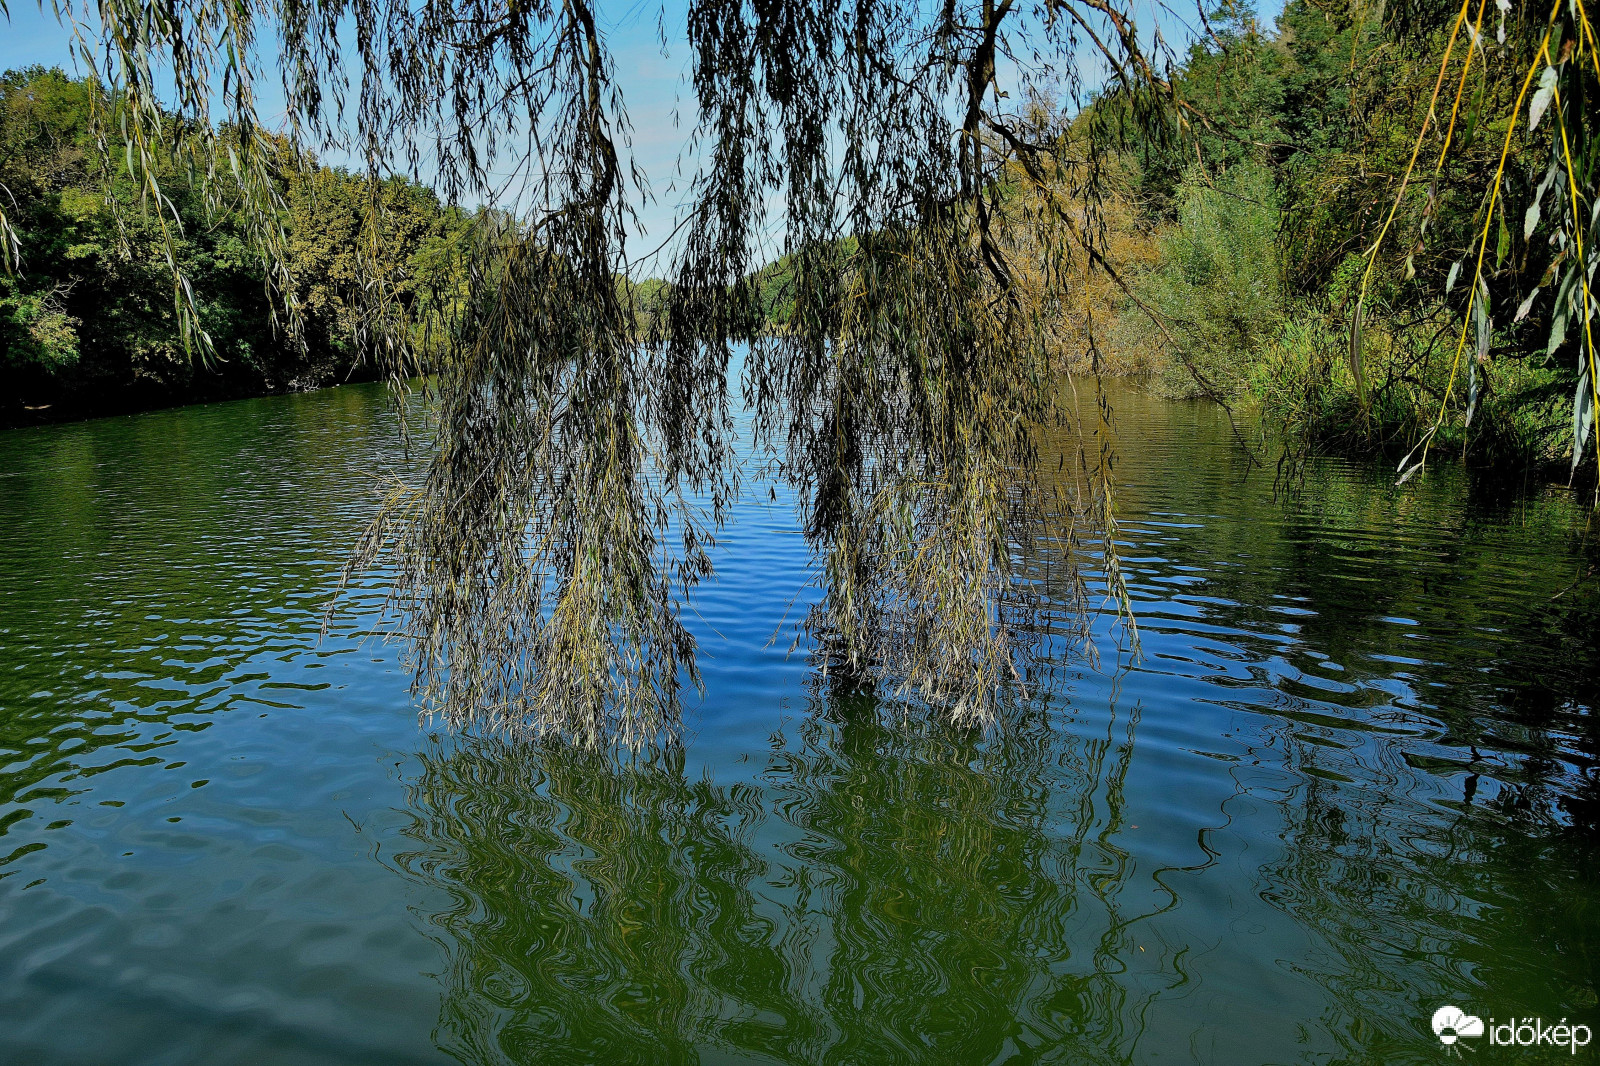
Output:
x=1215 y=298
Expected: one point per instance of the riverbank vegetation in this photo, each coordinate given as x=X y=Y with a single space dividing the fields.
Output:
x=1432 y=166
x=1380 y=230
x=88 y=323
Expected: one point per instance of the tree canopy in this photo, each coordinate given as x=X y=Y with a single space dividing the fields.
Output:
x=1431 y=175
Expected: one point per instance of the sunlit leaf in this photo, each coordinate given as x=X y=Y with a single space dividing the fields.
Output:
x=1541 y=98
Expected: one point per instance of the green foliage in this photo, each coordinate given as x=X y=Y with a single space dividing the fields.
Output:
x=774 y=286
x=1215 y=297
x=1231 y=92
x=1444 y=304
x=343 y=234
x=87 y=321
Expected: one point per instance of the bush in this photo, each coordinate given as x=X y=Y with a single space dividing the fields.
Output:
x=1215 y=299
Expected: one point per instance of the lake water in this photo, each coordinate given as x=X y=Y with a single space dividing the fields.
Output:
x=1353 y=778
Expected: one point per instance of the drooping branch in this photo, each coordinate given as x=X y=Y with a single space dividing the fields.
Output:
x=579 y=465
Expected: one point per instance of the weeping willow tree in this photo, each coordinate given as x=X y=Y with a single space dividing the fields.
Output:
x=580 y=456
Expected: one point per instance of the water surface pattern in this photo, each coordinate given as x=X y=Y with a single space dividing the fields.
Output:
x=1352 y=778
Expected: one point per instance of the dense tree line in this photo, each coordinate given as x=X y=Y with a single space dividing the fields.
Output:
x=88 y=323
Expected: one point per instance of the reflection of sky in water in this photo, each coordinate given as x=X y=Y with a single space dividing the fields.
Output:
x=1352 y=778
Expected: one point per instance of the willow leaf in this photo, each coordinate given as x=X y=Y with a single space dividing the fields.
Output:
x=1525 y=306
x=1541 y=99
x=1582 y=418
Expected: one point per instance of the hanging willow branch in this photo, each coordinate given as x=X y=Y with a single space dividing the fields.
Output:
x=581 y=464
x=1559 y=77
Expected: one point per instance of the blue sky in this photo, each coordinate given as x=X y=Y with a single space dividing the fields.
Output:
x=654 y=85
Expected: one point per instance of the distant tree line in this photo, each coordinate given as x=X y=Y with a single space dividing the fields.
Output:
x=87 y=319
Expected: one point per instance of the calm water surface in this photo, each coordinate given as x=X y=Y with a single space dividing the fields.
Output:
x=1352 y=778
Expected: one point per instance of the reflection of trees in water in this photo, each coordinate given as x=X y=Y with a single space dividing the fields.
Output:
x=150 y=561
x=884 y=895
x=1503 y=681
x=1435 y=603
x=886 y=890
x=1440 y=832
x=1416 y=904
